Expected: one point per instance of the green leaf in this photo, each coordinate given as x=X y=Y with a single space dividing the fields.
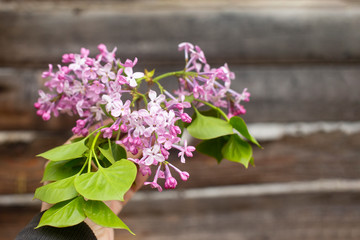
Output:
x=210 y=113
x=107 y=154
x=204 y=127
x=107 y=183
x=65 y=152
x=212 y=147
x=237 y=150
x=55 y=171
x=57 y=191
x=113 y=153
x=189 y=98
x=101 y=214
x=77 y=139
x=181 y=125
x=64 y=214
x=252 y=162
x=239 y=124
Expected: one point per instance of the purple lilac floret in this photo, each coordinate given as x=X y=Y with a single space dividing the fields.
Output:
x=95 y=88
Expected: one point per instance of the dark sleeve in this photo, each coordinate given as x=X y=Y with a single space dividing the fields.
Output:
x=79 y=232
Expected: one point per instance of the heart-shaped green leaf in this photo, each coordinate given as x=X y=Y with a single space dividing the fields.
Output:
x=107 y=183
x=204 y=127
x=55 y=171
x=101 y=214
x=212 y=147
x=57 y=191
x=65 y=152
x=237 y=150
x=239 y=124
x=209 y=113
x=113 y=152
x=64 y=214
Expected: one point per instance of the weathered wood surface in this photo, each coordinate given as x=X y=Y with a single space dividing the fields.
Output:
x=319 y=156
x=299 y=59
x=280 y=93
x=35 y=34
x=328 y=216
x=310 y=49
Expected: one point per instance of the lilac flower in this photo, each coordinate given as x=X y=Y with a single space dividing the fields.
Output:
x=66 y=58
x=183 y=175
x=129 y=63
x=84 y=52
x=111 y=101
x=156 y=99
x=89 y=73
x=154 y=183
x=170 y=182
x=184 y=150
x=186 y=47
x=131 y=77
x=48 y=73
x=186 y=118
x=245 y=95
x=107 y=132
x=121 y=79
x=145 y=170
x=120 y=109
x=199 y=54
x=152 y=155
x=106 y=73
x=105 y=54
x=97 y=87
x=97 y=112
x=78 y=64
x=167 y=140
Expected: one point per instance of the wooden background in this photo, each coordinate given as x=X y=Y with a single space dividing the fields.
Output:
x=301 y=62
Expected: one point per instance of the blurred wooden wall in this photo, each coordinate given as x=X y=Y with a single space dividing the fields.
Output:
x=300 y=60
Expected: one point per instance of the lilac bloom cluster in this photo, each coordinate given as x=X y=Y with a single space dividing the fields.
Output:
x=94 y=89
x=210 y=84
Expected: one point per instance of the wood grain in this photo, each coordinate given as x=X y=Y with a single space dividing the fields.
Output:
x=279 y=93
x=330 y=216
x=318 y=156
x=36 y=36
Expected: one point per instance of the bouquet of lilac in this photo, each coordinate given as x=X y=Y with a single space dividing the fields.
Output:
x=95 y=167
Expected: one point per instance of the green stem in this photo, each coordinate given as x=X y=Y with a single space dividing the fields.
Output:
x=92 y=151
x=89 y=161
x=144 y=98
x=83 y=166
x=107 y=125
x=106 y=113
x=117 y=136
x=160 y=87
x=213 y=107
x=139 y=80
x=177 y=74
x=97 y=161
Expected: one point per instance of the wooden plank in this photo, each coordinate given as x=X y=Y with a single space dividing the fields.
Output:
x=313 y=216
x=279 y=93
x=18 y=92
x=35 y=36
x=300 y=216
x=289 y=159
x=23 y=171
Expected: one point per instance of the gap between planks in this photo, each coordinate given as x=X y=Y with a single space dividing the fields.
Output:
x=261 y=131
x=251 y=190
